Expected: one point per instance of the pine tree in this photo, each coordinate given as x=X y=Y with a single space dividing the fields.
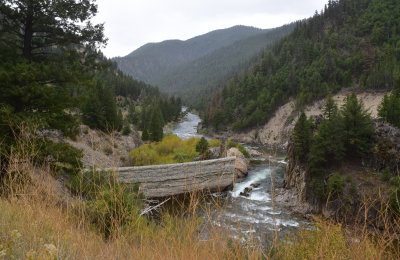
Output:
x=145 y=135
x=389 y=109
x=132 y=116
x=202 y=146
x=358 y=127
x=302 y=137
x=47 y=50
x=328 y=144
x=92 y=113
x=330 y=109
x=119 y=122
x=101 y=110
x=45 y=24
x=331 y=131
x=317 y=157
x=156 y=125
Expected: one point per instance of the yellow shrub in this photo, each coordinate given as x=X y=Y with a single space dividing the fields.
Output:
x=168 y=144
x=145 y=155
x=214 y=143
x=171 y=149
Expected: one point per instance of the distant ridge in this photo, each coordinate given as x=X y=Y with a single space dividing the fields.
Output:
x=153 y=59
x=177 y=66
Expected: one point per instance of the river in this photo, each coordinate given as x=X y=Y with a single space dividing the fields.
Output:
x=257 y=215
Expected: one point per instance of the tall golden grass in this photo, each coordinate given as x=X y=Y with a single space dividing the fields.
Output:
x=40 y=219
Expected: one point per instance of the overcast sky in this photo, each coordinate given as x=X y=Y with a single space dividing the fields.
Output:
x=130 y=24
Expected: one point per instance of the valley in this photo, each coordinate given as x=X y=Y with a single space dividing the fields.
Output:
x=238 y=143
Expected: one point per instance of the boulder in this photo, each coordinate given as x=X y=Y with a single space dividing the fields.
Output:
x=241 y=164
x=254 y=153
x=239 y=174
x=246 y=192
x=255 y=185
x=214 y=152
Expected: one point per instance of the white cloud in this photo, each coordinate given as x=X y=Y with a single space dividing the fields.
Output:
x=131 y=23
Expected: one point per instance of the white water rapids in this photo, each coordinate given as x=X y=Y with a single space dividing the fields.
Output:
x=255 y=214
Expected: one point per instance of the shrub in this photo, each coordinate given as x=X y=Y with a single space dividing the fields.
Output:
x=113 y=207
x=214 y=143
x=335 y=184
x=394 y=197
x=108 y=150
x=184 y=155
x=202 y=146
x=168 y=144
x=232 y=144
x=63 y=157
x=318 y=188
x=126 y=130
x=110 y=205
x=170 y=150
x=243 y=150
x=386 y=174
x=145 y=155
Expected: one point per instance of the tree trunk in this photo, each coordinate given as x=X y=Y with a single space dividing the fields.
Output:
x=28 y=31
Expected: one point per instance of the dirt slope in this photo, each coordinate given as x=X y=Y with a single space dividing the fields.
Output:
x=276 y=132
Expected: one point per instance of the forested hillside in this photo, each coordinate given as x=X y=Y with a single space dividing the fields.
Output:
x=152 y=60
x=349 y=44
x=197 y=65
x=195 y=81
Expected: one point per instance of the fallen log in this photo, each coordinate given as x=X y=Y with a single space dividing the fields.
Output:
x=173 y=179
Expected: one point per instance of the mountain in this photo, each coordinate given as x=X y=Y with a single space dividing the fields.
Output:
x=349 y=44
x=180 y=66
x=203 y=74
x=154 y=59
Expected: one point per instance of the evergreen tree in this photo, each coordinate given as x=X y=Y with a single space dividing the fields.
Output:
x=330 y=109
x=145 y=135
x=156 y=125
x=358 y=127
x=202 y=146
x=302 y=137
x=92 y=113
x=101 y=110
x=317 y=157
x=119 y=122
x=45 y=24
x=389 y=109
x=126 y=130
x=47 y=50
x=331 y=131
x=109 y=107
x=328 y=144
x=132 y=115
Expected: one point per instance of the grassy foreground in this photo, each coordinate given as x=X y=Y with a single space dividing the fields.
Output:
x=40 y=219
x=36 y=224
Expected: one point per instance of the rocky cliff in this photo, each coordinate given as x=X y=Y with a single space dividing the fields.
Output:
x=365 y=191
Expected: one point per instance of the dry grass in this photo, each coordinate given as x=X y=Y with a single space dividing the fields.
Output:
x=39 y=219
x=40 y=223
x=331 y=241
